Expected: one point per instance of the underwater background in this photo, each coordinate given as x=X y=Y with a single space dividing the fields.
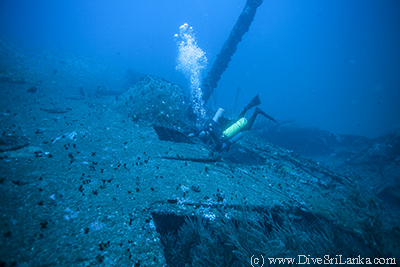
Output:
x=334 y=65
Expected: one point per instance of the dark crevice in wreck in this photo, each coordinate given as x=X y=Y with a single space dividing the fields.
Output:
x=234 y=233
x=168 y=134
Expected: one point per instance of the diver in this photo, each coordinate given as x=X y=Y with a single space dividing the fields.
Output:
x=214 y=135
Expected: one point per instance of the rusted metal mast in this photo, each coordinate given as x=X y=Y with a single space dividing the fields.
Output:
x=242 y=25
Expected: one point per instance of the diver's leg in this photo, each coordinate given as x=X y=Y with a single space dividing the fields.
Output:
x=250 y=122
x=259 y=111
x=254 y=102
x=241 y=115
x=253 y=117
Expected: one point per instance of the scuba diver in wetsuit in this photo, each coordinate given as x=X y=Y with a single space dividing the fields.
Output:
x=221 y=132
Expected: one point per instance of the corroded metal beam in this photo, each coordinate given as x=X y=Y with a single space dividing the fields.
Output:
x=242 y=25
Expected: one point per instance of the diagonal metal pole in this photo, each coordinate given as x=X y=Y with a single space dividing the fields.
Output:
x=242 y=25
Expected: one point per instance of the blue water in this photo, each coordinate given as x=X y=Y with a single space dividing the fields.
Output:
x=331 y=64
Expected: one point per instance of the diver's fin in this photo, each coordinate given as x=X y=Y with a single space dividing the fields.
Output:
x=259 y=111
x=254 y=102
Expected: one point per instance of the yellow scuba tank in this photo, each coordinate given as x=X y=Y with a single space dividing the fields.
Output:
x=234 y=129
